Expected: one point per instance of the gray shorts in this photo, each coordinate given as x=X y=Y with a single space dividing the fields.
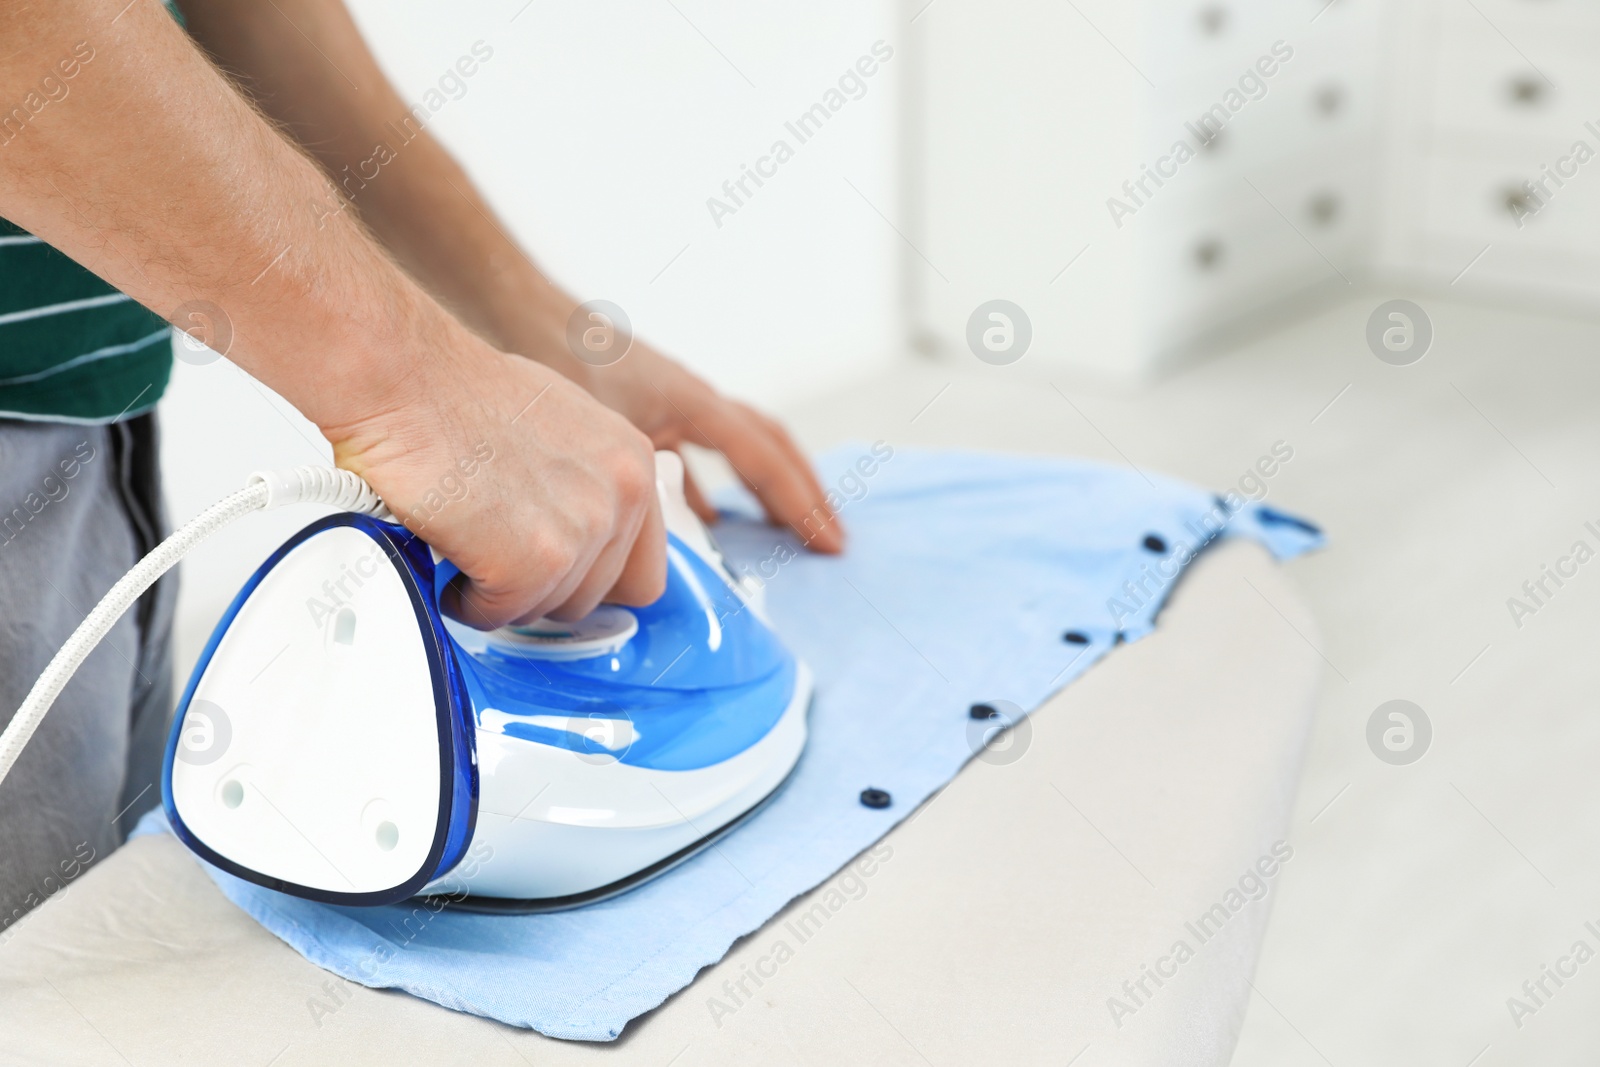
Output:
x=78 y=506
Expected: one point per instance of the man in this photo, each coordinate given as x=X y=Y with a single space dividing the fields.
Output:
x=395 y=314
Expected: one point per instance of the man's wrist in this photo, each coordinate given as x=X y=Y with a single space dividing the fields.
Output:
x=346 y=345
x=531 y=321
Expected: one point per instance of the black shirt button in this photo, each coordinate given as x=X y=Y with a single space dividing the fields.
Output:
x=875 y=798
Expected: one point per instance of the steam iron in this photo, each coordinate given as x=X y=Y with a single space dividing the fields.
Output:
x=341 y=740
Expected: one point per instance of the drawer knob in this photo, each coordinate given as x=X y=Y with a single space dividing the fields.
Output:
x=1328 y=100
x=1324 y=208
x=1520 y=203
x=1526 y=91
x=1213 y=19
x=1208 y=254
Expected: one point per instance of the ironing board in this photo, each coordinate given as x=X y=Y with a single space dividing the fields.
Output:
x=1005 y=916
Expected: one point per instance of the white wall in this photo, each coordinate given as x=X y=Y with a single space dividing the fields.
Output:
x=598 y=131
x=1027 y=121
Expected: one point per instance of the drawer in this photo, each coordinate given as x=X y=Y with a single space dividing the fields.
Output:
x=1483 y=86
x=1470 y=197
x=1320 y=182
x=1181 y=309
x=1300 y=112
x=1209 y=268
x=1331 y=198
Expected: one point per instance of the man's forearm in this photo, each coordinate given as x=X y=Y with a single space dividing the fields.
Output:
x=156 y=175
x=307 y=66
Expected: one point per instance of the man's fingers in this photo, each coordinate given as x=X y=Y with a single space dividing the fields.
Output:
x=585 y=594
x=798 y=458
x=819 y=526
x=779 y=477
x=543 y=578
x=465 y=603
x=480 y=607
x=622 y=572
x=644 y=575
x=629 y=569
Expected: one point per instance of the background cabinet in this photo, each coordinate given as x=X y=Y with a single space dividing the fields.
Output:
x=1402 y=145
x=1505 y=95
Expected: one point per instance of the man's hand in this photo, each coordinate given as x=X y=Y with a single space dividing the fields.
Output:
x=673 y=407
x=544 y=498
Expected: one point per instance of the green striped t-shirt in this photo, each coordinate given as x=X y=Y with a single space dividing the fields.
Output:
x=72 y=348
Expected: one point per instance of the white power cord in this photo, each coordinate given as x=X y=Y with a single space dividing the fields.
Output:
x=266 y=489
